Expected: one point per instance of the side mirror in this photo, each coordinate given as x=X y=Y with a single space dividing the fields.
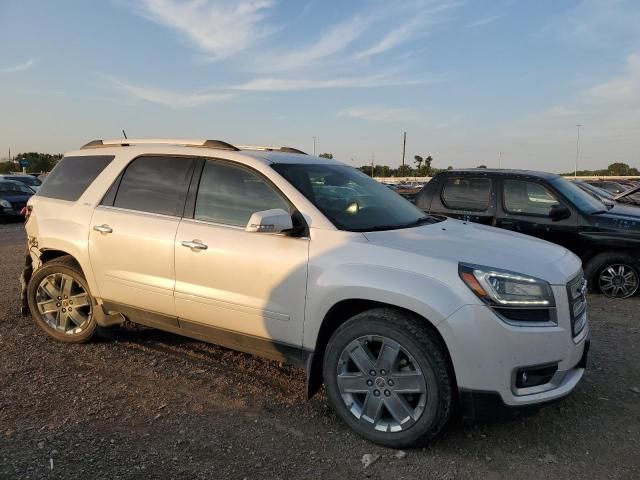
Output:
x=276 y=220
x=559 y=212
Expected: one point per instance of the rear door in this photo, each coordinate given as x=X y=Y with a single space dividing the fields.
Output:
x=133 y=230
x=233 y=280
x=525 y=206
x=466 y=197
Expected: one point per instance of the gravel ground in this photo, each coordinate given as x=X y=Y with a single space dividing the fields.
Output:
x=146 y=404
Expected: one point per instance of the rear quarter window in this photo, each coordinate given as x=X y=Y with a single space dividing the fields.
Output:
x=72 y=175
x=467 y=193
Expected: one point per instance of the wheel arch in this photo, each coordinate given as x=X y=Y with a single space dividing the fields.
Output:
x=338 y=314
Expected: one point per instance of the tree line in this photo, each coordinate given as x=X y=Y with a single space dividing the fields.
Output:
x=615 y=169
x=38 y=162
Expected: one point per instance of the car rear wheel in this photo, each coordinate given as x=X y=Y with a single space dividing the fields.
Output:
x=388 y=378
x=614 y=275
x=60 y=301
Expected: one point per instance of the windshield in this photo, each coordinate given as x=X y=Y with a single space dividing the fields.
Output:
x=581 y=199
x=14 y=187
x=350 y=199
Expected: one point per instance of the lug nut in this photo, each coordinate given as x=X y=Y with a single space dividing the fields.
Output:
x=70 y=302
x=58 y=304
x=390 y=382
x=370 y=383
x=383 y=372
x=66 y=296
x=59 y=297
x=376 y=393
x=63 y=310
x=372 y=373
x=387 y=393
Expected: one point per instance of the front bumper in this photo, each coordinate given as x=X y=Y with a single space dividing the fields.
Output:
x=487 y=353
x=481 y=405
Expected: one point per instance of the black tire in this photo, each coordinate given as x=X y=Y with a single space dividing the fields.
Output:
x=65 y=265
x=597 y=270
x=417 y=342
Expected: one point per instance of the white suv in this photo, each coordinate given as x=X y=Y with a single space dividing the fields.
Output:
x=293 y=257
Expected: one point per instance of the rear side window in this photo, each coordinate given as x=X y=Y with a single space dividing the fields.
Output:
x=155 y=184
x=72 y=175
x=467 y=193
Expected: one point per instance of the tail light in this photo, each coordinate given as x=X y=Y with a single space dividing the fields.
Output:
x=26 y=212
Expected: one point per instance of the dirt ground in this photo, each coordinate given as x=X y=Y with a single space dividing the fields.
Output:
x=146 y=404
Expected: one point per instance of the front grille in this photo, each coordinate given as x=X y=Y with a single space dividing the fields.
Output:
x=577 y=292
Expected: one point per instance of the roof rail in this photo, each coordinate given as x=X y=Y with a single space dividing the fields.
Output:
x=125 y=142
x=272 y=149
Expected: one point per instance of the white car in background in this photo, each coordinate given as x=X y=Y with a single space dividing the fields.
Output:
x=304 y=259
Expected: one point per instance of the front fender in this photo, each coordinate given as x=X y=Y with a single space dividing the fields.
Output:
x=422 y=294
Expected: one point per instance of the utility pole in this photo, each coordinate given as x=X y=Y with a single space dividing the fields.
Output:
x=372 y=164
x=575 y=173
x=404 y=147
x=314 y=146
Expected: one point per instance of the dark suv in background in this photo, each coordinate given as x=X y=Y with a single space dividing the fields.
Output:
x=547 y=206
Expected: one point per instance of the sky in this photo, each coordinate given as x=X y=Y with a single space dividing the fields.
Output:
x=500 y=83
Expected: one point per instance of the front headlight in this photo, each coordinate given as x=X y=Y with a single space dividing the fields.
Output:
x=502 y=288
x=5 y=204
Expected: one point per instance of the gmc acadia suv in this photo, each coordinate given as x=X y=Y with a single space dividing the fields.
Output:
x=307 y=260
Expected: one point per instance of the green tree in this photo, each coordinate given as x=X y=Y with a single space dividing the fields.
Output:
x=427 y=165
x=418 y=161
x=7 y=167
x=38 y=162
x=326 y=155
x=621 y=169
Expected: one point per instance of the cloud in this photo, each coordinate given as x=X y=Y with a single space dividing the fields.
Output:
x=218 y=28
x=623 y=90
x=483 y=21
x=404 y=115
x=291 y=84
x=380 y=114
x=19 y=68
x=417 y=25
x=597 y=22
x=334 y=41
x=170 y=98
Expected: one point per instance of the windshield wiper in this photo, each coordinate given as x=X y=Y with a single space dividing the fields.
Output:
x=399 y=226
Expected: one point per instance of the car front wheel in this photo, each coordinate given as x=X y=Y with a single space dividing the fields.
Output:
x=388 y=378
x=614 y=275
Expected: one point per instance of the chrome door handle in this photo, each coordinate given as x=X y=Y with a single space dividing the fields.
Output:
x=104 y=228
x=194 y=245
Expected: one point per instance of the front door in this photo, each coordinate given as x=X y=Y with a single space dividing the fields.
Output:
x=133 y=232
x=232 y=280
x=525 y=208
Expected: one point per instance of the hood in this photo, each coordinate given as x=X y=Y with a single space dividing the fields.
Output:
x=458 y=241
x=621 y=211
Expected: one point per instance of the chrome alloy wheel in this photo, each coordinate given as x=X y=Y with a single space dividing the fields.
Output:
x=381 y=383
x=618 y=281
x=63 y=303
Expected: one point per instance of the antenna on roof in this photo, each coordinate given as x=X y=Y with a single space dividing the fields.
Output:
x=124 y=133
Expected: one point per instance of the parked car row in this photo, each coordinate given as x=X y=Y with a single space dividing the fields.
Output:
x=586 y=219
